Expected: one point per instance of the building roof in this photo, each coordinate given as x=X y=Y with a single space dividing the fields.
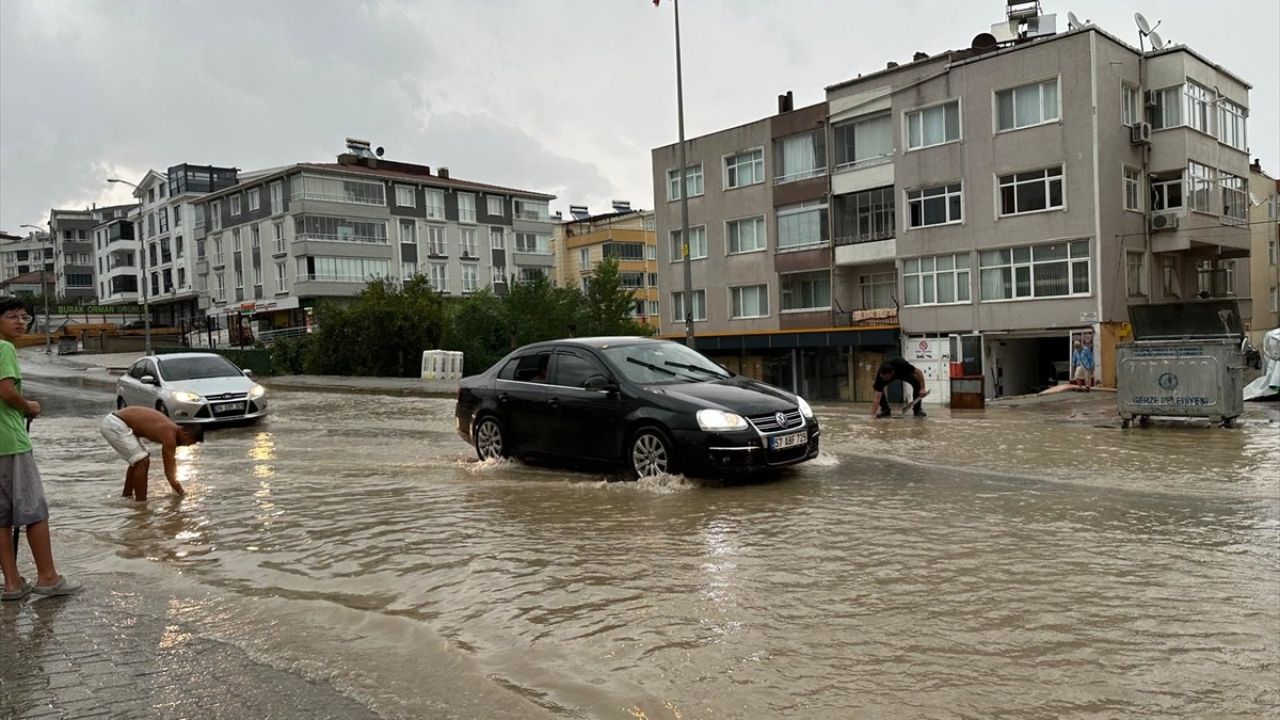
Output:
x=31 y=278
x=604 y=216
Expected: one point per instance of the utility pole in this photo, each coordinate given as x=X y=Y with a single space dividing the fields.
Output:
x=44 y=289
x=684 y=192
x=142 y=261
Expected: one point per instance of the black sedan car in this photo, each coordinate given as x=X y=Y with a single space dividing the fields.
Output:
x=655 y=406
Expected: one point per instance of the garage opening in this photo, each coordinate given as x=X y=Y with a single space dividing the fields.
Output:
x=1028 y=365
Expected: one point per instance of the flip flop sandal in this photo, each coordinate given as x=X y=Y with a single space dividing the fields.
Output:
x=18 y=594
x=62 y=587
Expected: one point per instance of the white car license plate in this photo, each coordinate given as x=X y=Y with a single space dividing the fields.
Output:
x=229 y=407
x=782 y=442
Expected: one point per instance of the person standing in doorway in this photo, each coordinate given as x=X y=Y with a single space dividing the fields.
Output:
x=22 y=501
x=1082 y=362
x=896 y=370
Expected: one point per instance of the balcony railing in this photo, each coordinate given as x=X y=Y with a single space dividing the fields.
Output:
x=869 y=316
x=533 y=215
x=865 y=163
x=330 y=237
x=873 y=236
x=802 y=175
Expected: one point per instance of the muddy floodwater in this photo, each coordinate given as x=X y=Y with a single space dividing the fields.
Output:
x=1006 y=565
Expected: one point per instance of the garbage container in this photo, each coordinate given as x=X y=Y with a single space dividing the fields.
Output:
x=68 y=346
x=1186 y=360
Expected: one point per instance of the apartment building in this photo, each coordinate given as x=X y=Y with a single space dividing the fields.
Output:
x=156 y=246
x=73 y=250
x=626 y=235
x=998 y=201
x=20 y=255
x=1264 y=260
x=277 y=242
x=760 y=244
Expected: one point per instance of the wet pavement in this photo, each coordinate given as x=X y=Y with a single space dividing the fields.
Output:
x=1032 y=561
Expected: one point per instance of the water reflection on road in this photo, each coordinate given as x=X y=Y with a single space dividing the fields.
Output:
x=968 y=567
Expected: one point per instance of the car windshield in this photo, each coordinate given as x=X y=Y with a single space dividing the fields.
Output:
x=648 y=363
x=197 y=368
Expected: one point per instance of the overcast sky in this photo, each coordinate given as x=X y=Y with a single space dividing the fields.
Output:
x=559 y=96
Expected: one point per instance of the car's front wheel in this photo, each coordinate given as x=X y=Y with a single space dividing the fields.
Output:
x=164 y=409
x=651 y=453
x=490 y=442
x=120 y=403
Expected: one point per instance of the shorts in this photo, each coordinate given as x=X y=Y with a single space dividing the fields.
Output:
x=1082 y=373
x=22 y=500
x=121 y=437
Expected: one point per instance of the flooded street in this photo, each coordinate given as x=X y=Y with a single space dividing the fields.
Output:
x=1004 y=566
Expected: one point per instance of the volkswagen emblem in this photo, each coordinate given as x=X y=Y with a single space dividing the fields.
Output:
x=781 y=418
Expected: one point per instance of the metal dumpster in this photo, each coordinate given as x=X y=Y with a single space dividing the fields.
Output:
x=1186 y=360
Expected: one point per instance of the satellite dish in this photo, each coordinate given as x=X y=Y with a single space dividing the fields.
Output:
x=1073 y=22
x=1156 y=42
x=1143 y=26
x=379 y=151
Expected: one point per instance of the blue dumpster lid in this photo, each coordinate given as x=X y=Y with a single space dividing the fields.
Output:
x=1196 y=319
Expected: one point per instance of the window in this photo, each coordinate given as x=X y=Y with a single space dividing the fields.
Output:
x=530 y=274
x=164 y=219
x=750 y=301
x=1271 y=252
x=653 y=280
x=1170 y=282
x=493 y=204
x=469 y=243
x=217 y=250
x=167 y=283
x=1199 y=100
x=497 y=239
x=470 y=281
x=697 y=244
x=623 y=250
x=879 y=290
x=408 y=231
x=255 y=202
x=277 y=230
x=802 y=226
x=177 y=246
x=533 y=243
x=865 y=216
x=652 y=306
x=328 y=228
x=1199 y=187
x=277 y=197
x=800 y=156
x=937 y=280
x=1128 y=104
x=1136 y=274
x=215 y=214
x=177 y=216
x=745 y=168
x=1132 y=189
x=499 y=274
x=1052 y=270
x=436 y=242
x=934 y=206
x=1027 y=105
x=255 y=237
x=699 y=306
x=235 y=205
x=584 y=258
x=1231 y=124
x=745 y=236
x=434 y=204
x=182 y=277
x=651 y=252
x=408 y=269
x=1031 y=191
x=1167 y=111
x=342 y=269
x=631 y=280
x=933 y=126
x=467 y=208
x=220 y=287
x=282 y=277
x=257 y=275
x=863 y=140
x=1235 y=198
x=405 y=196
x=239 y=279
x=805 y=291
x=1275 y=299
x=1216 y=282
x=1166 y=191
x=532 y=210
x=328 y=189
x=693 y=176
x=236 y=245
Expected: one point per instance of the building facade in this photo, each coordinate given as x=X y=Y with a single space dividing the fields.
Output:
x=1264 y=261
x=279 y=241
x=995 y=203
x=625 y=235
x=20 y=255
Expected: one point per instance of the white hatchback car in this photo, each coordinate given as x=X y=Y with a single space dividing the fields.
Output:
x=192 y=388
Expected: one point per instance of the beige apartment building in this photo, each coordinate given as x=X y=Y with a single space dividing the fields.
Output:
x=1264 y=265
x=989 y=205
x=625 y=235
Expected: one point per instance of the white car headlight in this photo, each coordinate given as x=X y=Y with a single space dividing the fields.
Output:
x=183 y=396
x=256 y=392
x=805 y=410
x=720 y=421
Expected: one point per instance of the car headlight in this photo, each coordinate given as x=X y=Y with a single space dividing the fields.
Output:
x=183 y=396
x=805 y=410
x=720 y=421
x=256 y=392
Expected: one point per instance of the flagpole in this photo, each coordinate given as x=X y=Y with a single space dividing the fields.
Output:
x=684 y=192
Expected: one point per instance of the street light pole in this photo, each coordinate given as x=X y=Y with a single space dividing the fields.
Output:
x=44 y=288
x=142 y=260
x=683 y=171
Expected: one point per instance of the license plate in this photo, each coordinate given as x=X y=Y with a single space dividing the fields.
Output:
x=228 y=408
x=782 y=442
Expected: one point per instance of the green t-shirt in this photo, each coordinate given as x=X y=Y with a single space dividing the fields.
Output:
x=13 y=422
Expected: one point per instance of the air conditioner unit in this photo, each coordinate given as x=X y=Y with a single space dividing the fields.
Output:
x=1140 y=133
x=1152 y=98
x=1165 y=220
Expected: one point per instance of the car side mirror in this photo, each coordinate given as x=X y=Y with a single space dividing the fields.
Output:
x=148 y=380
x=247 y=372
x=598 y=383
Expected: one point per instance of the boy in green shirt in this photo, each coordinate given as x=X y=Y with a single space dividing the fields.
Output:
x=22 y=501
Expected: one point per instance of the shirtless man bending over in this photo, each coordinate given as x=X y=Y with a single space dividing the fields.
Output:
x=125 y=426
